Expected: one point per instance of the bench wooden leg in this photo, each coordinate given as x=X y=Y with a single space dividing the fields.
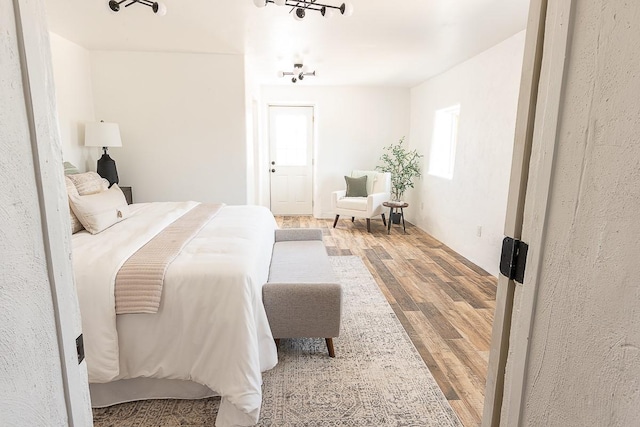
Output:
x=336 y=221
x=369 y=225
x=329 y=342
x=353 y=218
x=384 y=221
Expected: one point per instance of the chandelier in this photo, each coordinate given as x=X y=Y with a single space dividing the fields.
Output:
x=298 y=73
x=300 y=7
x=158 y=8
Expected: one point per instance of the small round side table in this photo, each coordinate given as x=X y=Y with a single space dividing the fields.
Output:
x=395 y=206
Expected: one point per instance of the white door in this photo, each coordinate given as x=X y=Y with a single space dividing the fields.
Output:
x=291 y=160
x=494 y=387
x=540 y=104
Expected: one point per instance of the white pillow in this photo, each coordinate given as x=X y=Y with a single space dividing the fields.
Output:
x=89 y=183
x=99 y=211
x=76 y=225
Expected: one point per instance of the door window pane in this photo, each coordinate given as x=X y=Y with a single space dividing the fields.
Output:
x=291 y=140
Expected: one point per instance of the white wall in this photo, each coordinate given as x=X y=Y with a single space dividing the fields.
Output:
x=252 y=106
x=486 y=87
x=182 y=122
x=74 y=97
x=584 y=363
x=353 y=124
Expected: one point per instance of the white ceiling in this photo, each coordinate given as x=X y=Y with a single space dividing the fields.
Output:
x=385 y=42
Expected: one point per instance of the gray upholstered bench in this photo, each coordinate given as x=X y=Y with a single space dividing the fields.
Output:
x=302 y=297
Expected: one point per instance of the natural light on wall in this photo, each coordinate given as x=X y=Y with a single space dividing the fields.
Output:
x=443 y=144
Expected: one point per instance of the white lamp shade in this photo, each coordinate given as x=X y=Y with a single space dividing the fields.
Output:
x=101 y=134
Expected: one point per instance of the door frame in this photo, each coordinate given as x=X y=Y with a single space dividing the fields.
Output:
x=537 y=124
x=39 y=96
x=523 y=137
x=267 y=157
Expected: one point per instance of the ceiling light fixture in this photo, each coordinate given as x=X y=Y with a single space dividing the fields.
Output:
x=298 y=73
x=158 y=8
x=300 y=7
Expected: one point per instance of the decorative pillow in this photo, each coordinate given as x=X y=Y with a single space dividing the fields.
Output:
x=76 y=225
x=89 y=183
x=70 y=169
x=356 y=187
x=99 y=211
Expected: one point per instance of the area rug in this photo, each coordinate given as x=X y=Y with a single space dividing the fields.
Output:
x=376 y=379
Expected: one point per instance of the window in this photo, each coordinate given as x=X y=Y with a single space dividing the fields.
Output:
x=443 y=144
x=291 y=140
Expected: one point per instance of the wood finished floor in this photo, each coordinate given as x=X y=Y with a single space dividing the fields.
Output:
x=444 y=302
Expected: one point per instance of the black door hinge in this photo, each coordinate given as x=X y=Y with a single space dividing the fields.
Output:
x=80 y=348
x=513 y=259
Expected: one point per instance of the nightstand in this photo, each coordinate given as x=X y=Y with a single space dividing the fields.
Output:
x=128 y=194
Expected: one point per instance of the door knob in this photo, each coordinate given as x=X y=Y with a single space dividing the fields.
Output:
x=273 y=162
x=273 y=170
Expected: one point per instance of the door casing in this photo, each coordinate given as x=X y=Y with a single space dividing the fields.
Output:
x=291 y=187
x=537 y=123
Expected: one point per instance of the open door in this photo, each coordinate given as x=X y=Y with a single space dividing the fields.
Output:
x=541 y=92
x=523 y=138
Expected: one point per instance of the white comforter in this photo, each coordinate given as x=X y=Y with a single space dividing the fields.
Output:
x=211 y=326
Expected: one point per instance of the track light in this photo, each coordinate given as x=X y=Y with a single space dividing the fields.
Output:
x=297 y=74
x=158 y=8
x=300 y=7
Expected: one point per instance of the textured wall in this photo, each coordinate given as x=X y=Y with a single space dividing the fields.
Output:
x=584 y=365
x=486 y=87
x=30 y=379
x=37 y=341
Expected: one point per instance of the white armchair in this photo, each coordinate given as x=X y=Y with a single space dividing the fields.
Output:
x=378 y=192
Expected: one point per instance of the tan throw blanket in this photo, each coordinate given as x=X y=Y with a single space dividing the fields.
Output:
x=138 y=287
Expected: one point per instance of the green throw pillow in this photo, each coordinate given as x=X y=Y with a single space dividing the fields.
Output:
x=70 y=169
x=356 y=187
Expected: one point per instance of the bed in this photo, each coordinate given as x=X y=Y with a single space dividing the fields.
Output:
x=210 y=330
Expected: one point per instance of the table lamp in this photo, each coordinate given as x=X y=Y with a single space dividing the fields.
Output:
x=104 y=135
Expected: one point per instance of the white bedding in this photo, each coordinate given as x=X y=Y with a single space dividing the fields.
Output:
x=211 y=327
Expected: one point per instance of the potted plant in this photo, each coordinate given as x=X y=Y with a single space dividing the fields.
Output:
x=404 y=166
